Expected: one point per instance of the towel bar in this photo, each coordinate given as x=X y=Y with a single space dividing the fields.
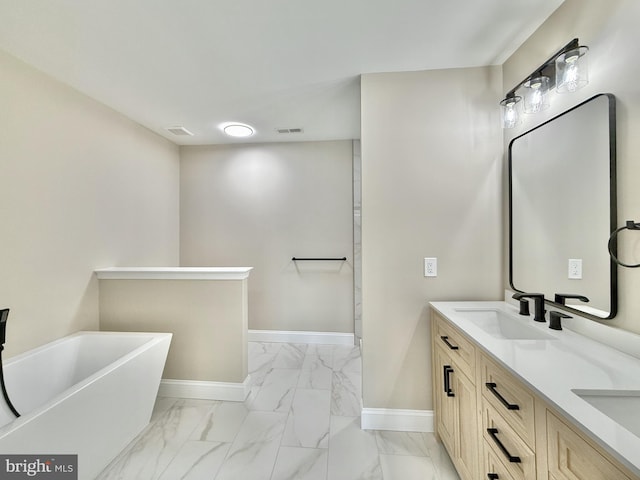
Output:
x=315 y=259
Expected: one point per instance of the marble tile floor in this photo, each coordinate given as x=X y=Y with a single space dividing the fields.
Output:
x=300 y=422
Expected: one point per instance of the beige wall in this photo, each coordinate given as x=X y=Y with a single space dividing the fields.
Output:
x=81 y=187
x=259 y=205
x=431 y=186
x=610 y=29
x=208 y=319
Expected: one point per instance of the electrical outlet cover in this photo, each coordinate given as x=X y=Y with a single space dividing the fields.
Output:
x=575 y=268
x=431 y=267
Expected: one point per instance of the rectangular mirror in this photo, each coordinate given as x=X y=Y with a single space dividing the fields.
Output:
x=562 y=208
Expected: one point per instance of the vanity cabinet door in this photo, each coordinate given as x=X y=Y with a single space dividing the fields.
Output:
x=444 y=404
x=570 y=457
x=456 y=415
x=455 y=396
x=467 y=427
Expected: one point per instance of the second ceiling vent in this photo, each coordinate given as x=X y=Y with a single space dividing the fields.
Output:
x=289 y=130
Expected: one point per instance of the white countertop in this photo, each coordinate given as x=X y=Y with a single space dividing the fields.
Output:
x=554 y=367
x=173 y=273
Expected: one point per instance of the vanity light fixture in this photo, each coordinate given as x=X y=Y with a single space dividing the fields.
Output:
x=572 y=71
x=566 y=70
x=536 y=96
x=238 y=130
x=511 y=111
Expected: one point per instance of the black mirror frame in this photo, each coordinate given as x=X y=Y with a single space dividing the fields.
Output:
x=613 y=210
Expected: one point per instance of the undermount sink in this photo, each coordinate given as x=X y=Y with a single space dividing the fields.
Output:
x=500 y=325
x=621 y=406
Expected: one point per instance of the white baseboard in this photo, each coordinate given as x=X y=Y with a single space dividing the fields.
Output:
x=227 y=391
x=324 y=338
x=397 y=419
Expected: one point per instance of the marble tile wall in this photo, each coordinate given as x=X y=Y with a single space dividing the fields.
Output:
x=357 y=240
x=300 y=422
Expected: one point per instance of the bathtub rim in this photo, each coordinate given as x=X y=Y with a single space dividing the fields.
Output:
x=154 y=339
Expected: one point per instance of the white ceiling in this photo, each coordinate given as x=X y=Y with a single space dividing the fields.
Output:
x=269 y=63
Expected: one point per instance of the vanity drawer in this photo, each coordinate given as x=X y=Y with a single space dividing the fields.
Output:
x=571 y=457
x=454 y=342
x=510 y=398
x=507 y=445
x=494 y=469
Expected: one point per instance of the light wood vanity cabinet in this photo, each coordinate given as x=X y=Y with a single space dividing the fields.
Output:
x=454 y=370
x=494 y=427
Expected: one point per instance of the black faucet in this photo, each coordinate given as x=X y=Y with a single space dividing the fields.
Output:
x=524 y=306
x=538 y=304
x=4 y=314
x=555 y=320
x=561 y=297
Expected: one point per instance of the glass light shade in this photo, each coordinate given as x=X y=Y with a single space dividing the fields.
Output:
x=511 y=115
x=572 y=70
x=536 y=93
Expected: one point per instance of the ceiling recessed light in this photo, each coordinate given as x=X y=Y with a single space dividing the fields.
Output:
x=238 y=130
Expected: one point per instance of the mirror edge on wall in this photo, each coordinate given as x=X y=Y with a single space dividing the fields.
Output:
x=613 y=275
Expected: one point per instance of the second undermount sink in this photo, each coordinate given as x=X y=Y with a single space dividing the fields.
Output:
x=621 y=406
x=500 y=325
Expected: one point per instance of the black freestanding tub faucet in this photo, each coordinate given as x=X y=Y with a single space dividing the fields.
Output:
x=4 y=315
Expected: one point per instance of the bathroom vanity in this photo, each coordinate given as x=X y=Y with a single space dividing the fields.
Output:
x=515 y=400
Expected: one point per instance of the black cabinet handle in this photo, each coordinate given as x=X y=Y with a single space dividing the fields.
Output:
x=493 y=432
x=445 y=339
x=492 y=476
x=445 y=376
x=447 y=381
x=509 y=406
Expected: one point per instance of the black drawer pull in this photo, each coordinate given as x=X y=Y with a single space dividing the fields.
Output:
x=509 y=406
x=492 y=476
x=493 y=432
x=447 y=381
x=445 y=339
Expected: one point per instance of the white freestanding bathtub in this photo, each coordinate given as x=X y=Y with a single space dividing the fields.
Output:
x=88 y=394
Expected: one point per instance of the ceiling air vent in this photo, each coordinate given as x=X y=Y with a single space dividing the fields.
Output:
x=180 y=131
x=289 y=130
